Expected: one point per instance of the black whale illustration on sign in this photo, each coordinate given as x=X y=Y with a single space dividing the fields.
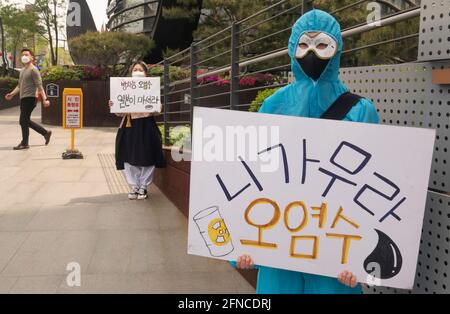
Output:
x=386 y=256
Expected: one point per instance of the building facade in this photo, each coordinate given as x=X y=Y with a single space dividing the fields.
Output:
x=151 y=18
x=134 y=16
x=148 y=17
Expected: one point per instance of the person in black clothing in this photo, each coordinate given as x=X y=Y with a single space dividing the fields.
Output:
x=139 y=145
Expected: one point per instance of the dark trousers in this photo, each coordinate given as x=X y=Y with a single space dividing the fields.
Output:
x=27 y=106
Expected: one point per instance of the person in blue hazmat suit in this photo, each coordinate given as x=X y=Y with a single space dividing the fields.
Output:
x=315 y=48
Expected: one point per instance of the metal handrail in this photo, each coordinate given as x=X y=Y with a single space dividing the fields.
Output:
x=214 y=57
x=212 y=36
x=178 y=122
x=262 y=87
x=264 y=37
x=178 y=91
x=233 y=35
x=270 y=18
x=389 y=20
x=175 y=102
x=381 y=43
x=262 y=11
x=181 y=59
x=261 y=57
x=266 y=70
x=206 y=85
x=177 y=54
x=385 y=21
x=348 y=6
x=213 y=44
x=214 y=95
x=179 y=112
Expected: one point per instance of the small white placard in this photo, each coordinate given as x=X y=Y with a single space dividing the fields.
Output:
x=136 y=95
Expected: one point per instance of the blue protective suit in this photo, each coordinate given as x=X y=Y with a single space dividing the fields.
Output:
x=308 y=98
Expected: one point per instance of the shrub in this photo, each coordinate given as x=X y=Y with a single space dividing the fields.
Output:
x=177 y=13
x=156 y=70
x=107 y=48
x=81 y=72
x=247 y=81
x=262 y=95
x=59 y=73
x=176 y=134
x=94 y=73
x=8 y=82
x=178 y=74
x=97 y=73
x=175 y=73
x=179 y=134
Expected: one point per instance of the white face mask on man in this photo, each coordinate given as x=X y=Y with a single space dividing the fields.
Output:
x=25 y=59
x=138 y=74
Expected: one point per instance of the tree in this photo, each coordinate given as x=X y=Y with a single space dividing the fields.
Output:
x=269 y=31
x=177 y=22
x=19 y=27
x=220 y=14
x=48 y=11
x=3 y=47
x=181 y=9
x=397 y=52
x=110 y=48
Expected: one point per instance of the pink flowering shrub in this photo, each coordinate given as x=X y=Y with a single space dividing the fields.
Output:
x=93 y=73
x=248 y=81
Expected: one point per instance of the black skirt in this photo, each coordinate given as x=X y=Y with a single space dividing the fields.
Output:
x=139 y=145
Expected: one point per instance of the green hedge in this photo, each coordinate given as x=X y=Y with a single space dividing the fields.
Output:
x=59 y=73
x=89 y=73
x=175 y=73
x=262 y=95
x=176 y=134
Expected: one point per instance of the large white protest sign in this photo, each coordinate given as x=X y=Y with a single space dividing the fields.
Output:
x=340 y=195
x=136 y=95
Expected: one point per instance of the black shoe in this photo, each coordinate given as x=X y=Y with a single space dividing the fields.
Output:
x=133 y=195
x=142 y=194
x=47 y=137
x=21 y=147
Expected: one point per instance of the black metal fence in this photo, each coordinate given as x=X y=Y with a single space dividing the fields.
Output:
x=227 y=69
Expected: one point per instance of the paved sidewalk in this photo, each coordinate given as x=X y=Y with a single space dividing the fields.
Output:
x=54 y=212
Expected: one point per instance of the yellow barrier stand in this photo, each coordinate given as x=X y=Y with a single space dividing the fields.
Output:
x=72 y=118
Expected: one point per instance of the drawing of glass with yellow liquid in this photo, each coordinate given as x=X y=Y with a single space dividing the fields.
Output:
x=214 y=232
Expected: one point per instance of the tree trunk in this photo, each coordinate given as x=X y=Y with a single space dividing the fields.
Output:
x=50 y=41
x=5 y=62
x=55 y=25
x=14 y=57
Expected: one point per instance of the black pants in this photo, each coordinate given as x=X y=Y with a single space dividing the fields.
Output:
x=27 y=106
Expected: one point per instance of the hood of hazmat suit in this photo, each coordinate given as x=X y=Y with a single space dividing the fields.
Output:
x=307 y=97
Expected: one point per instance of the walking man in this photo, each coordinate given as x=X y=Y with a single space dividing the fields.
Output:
x=30 y=86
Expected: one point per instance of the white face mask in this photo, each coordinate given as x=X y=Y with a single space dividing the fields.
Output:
x=26 y=59
x=324 y=46
x=138 y=74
